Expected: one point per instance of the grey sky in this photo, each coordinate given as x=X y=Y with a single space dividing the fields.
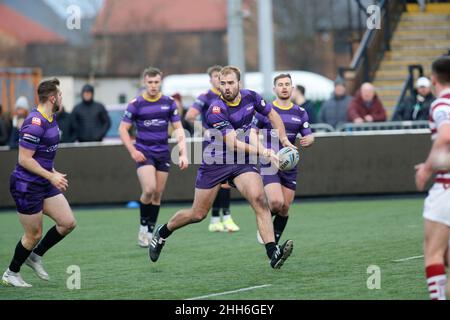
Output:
x=89 y=8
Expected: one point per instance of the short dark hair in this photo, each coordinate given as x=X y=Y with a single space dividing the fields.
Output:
x=281 y=76
x=215 y=68
x=230 y=69
x=301 y=89
x=46 y=89
x=441 y=69
x=151 y=72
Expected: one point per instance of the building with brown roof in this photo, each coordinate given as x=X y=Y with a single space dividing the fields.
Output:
x=178 y=36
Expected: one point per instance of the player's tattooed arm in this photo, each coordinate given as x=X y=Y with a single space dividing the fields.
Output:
x=255 y=140
x=233 y=143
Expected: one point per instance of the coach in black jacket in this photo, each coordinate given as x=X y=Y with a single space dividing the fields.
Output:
x=90 y=120
x=417 y=106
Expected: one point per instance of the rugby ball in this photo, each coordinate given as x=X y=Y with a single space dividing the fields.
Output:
x=289 y=158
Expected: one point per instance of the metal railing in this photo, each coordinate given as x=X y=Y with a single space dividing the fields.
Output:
x=373 y=45
x=322 y=127
x=387 y=125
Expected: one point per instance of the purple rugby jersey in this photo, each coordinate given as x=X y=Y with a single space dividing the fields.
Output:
x=41 y=135
x=223 y=116
x=152 y=120
x=295 y=121
x=203 y=101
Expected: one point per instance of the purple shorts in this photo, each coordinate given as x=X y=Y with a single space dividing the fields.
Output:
x=29 y=196
x=287 y=179
x=161 y=161
x=210 y=175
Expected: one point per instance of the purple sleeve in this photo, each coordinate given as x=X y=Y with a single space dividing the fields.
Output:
x=305 y=129
x=130 y=114
x=174 y=114
x=261 y=106
x=31 y=133
x=200 y=103
x=259 y=121
x=217 y=118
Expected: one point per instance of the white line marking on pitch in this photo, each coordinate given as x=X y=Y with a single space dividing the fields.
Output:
x=228 y=292
x=406 y=259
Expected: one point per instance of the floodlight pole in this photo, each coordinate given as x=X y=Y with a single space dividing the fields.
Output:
x=266 y=46
x=236 y=53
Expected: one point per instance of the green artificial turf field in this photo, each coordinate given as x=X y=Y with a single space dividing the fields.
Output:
x=334 y=244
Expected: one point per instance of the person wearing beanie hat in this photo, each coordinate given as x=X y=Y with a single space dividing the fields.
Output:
x=90 y=120
x=416 y=106
x=22 y=102
x=21 y=109
x=334 y=110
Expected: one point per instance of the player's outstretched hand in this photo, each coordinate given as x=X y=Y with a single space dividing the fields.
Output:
x=183 y=162
x=59 y=180
x=286 y=143
x=138 y=156
x=270 y=154
x=423 y=173
x=306 y=141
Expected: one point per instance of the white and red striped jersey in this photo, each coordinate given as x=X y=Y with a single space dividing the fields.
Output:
x=440 y=114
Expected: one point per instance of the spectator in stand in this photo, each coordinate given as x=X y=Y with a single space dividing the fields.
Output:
x=90 y=119
x=298 y=98
x=21 y=110
x=366 y=106
x=334 y=111
x=64 y=120
x=4 y=132
x=416 y=106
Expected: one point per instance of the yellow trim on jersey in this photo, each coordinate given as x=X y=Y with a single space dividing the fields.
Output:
x=146 y=97
x=282 y=107
x=216 y=91
x=48 y=118
x=232 y=104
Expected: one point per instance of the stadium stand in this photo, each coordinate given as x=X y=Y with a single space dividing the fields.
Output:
x=420 y=37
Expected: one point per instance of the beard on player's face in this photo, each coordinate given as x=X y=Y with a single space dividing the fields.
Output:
x=284 y=94
x=230 y=94
x=56 y=107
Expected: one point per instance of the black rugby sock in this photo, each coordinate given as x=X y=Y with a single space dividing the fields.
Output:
x=271 y=247
x=279 y=224
x=145 y=212
x=51 y=238
x=226 y=195
x=164 y=232
x=153 y=217
x=20 y=255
